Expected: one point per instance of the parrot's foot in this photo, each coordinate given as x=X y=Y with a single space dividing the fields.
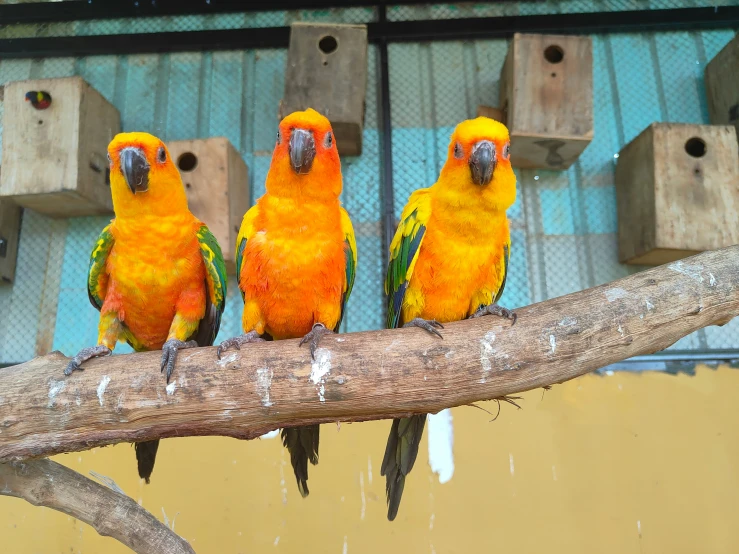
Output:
x=429 y=324
x=236 y=342
x=314 y=336
x=494 y=309
x=169 y=353
x=84 y=355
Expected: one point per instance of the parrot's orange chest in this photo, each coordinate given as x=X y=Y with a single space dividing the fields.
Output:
x=293 y=268
x=152 y=263
x=458 y=267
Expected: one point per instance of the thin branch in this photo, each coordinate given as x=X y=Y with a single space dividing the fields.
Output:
x=47 y=483
x=361 y=376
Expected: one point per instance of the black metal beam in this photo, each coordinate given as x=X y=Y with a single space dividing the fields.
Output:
x=82 y=10
x=390 y=31
x=683 y=19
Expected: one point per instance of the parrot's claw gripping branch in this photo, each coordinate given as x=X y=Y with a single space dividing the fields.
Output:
x=387 y=374
x=314 y=336
x=85 y=354
x=429 y=325
x=169 y=354
x=236 y=342
x=495 y=309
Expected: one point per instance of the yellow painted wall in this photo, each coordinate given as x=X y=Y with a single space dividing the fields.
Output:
x=632 y=462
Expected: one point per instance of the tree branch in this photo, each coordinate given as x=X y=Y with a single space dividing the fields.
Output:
x=361 y=376
x=47 y=483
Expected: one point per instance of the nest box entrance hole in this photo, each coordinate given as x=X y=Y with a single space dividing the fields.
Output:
x=186 y=163
x=328 y=45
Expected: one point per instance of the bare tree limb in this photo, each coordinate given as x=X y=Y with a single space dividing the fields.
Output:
x=47 y=483
x=361 y=376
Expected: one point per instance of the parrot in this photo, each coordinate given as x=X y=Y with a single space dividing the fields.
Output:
x=449 y=260
x=39 y=99
x=296 y=256
x=157 y=274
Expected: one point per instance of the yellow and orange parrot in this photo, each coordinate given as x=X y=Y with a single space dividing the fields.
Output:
x=296 y=256
x=157 y=274
x=449 y=260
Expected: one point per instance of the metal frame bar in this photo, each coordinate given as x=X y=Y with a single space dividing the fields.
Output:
x=684 y=19
x=84 y=10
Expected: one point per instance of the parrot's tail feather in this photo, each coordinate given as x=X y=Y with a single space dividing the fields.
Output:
x=400 y=455
x=146 y=455
x=302 y=443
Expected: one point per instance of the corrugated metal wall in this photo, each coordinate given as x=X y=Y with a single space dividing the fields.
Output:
x=564 y=223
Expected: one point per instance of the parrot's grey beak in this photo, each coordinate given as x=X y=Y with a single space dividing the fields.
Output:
x=302 y=150
x=135 y=169
x=482 y=162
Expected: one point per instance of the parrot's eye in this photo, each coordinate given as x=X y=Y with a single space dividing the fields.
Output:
x=161 y=155
x=279 y=137
x=507 y=151
x=329 y=140
x=458 y=152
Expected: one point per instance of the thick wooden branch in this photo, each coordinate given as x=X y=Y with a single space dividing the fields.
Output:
x=112 y=514
x=361 y=376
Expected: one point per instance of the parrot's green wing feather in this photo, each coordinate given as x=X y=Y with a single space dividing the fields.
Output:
x=215 y=277
x=97 y=277
x=350 y=246
x=404 y=251
x=246 y=231
x=504 y=269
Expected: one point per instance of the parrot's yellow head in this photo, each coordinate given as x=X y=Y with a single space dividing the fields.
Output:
x=305 y=160
x=143 y=177
x=479 y=161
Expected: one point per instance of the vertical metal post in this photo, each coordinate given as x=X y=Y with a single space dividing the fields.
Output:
x=388 y=190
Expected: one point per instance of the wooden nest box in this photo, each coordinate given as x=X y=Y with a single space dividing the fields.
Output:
x=546 y=93
x=327 y=71
x=677 y=191
x=55 y=158
x=10 y=228
x=722 y=86
x=217 y=186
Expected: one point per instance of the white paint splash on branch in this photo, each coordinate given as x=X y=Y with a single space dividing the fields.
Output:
x=692 y=271
x=486 y=351
x=171 y=388
x=101 y=388
x=264 y=384
x=616 y=293
x=319 y=369
x=441 y=444
x=55 y=387
x=552 y=343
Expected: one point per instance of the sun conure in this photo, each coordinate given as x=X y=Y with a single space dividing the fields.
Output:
x=449 y=260
x=296 y=255
x=156 y=273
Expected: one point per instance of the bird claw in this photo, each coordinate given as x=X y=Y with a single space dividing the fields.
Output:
x=314 y=336
x=429 y=325
x=236 y=342
x=169 y=353
x=494 y=309
x=84 y=355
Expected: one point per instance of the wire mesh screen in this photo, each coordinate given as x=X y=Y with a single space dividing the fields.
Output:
x=563 y=223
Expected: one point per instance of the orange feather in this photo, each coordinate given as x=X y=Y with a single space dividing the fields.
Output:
x=294 y=263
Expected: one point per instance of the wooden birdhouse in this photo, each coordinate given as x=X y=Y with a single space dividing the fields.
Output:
x=677 y=191
x=722 y=86
x=546 y=93
x=217 y=187
x=10 y=228
x=55 y=154
x=327 y=71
